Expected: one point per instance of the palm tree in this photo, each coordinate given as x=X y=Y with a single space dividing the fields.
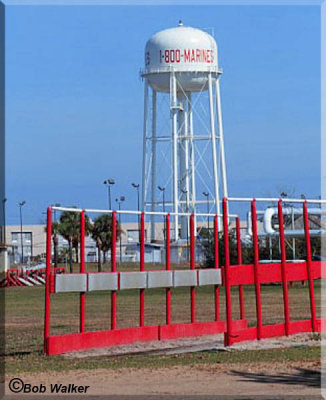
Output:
x=102 y=234
x=55 y=232
x=69 y=228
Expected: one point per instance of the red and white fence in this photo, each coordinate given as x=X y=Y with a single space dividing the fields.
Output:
x=235 y=330
x=15 y=277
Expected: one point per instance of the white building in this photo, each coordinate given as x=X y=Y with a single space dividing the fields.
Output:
x=32 y=244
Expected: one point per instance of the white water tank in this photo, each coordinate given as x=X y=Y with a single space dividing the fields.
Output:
x=188 y=51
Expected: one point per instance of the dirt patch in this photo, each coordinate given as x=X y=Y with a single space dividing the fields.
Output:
x=247 y=379
x=189 y=345
x=281 y=378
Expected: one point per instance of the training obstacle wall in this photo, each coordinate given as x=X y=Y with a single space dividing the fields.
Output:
x=235 y=330
x=258 y=274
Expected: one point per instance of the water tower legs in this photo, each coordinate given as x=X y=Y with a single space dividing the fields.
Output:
x=221 y=136
x=174 y=113
x=145 y=129
x=213 y=140
x=153 y=183
x=182 y=140
x=192 y=158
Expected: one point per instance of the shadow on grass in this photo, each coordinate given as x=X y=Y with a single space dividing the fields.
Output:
x=23 y=353
x=302 y=376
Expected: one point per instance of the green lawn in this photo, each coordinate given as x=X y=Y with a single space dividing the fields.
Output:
x=25 y=313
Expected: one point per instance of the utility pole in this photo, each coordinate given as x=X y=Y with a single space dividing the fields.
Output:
x=108 y=183
x=122 y=198
x=162 y=189
x=206 y=194
x=136 y=186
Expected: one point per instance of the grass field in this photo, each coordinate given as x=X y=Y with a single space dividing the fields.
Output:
x=25 y=310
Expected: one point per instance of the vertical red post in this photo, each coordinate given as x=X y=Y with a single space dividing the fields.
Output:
x=283 y=269
x=227 y=283
x=241 y=294
x=82 y=270
x=256 y=268
x=216 y=265
x=113 y=269
x=168 y=266
x=192 y=266
x=142 y=268
x=308 y=264
x=47 y=314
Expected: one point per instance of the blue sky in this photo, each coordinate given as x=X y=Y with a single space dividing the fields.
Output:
x=74 y=99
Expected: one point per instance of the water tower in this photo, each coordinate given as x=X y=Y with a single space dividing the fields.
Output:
x=181 y=63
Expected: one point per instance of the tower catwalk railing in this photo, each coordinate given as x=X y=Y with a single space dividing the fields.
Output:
x=227 y=276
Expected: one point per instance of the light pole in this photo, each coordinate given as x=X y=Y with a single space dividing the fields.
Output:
x=108 y=183
x=162 y=189
x=136 y=186
x=4 y=219
x=206 y=194
x=21 y=204
x=122 y=198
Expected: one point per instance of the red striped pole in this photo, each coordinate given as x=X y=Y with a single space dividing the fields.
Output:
x=283 y=269
x=168 y=266
x=227 y=283
x=192 y=266
x=241 y=291
x=82 y=270
x=113 y=269
x=142 y=268
x=256 y=268
x=47 y=314
x=216 y=265
x=308 y=264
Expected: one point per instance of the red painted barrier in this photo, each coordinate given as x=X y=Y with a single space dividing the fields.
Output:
x=192 y=266
x=82 y=270
x=113 y=269
x=309 y=268
x=47 y=282
x=216 y=265
x=168 y=266
x=234 y=330
x=267 y=273
x=241 y=290
x=227 y=282
x=142 y=268
x=283 y=270
x=256 y=269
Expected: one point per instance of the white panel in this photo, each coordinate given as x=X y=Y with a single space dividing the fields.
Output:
x=133 y=280
x=70 y=283
x=209 y=277
x=103 y=281
x=157 y=279
x=185 y=278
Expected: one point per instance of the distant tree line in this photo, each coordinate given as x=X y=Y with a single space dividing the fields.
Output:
x=266 y=247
